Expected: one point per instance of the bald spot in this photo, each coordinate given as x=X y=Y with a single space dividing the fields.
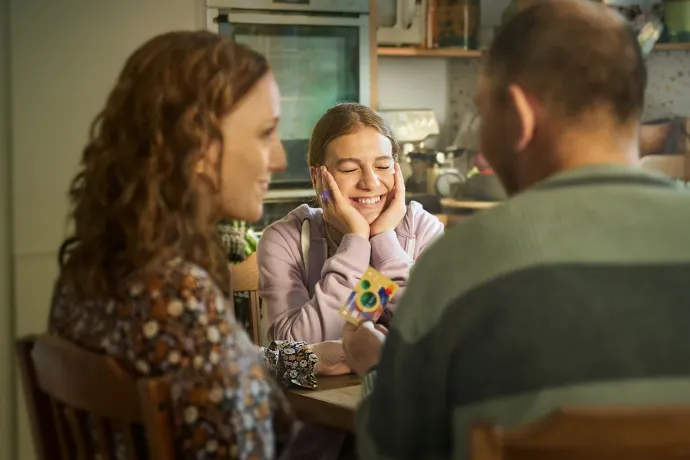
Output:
x=571 y=55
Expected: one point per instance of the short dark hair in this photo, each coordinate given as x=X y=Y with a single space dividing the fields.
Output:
x=571 y=56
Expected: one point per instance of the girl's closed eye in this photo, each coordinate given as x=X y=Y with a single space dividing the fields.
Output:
x=348 y=167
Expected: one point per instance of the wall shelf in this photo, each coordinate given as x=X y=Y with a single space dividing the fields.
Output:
x=402 y=51
x=672 y=46
x=424 y=52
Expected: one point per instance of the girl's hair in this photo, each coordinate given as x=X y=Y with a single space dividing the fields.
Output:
x=136 y=200
x=341 y=120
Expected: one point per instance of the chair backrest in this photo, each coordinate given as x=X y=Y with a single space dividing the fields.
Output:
x=80 y=402
x=245 y=278
x=642 y=433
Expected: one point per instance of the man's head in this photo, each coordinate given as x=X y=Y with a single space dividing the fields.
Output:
x=562 y=86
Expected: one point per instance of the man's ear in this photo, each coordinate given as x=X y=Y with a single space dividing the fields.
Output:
x=526 y=116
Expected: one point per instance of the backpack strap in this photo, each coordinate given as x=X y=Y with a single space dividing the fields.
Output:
x=412 y=240
x=305 y=242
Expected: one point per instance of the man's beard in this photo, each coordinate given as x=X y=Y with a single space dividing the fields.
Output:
x=505 y=172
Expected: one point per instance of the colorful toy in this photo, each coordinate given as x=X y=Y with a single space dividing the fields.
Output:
x=367 y=301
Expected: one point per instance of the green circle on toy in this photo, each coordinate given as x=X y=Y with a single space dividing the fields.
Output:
x=368 y=300
x=365 y=284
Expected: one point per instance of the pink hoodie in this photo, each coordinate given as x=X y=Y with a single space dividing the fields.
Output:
x=303 y=303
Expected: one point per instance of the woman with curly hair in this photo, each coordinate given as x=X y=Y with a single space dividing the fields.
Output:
x=188 y=136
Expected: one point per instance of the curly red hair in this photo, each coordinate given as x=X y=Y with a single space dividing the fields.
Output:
x=136 y=201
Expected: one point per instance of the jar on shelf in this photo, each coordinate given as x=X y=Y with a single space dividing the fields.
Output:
x=456 y=24
x=677 y=18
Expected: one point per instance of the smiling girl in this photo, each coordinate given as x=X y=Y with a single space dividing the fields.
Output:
x=312 y=259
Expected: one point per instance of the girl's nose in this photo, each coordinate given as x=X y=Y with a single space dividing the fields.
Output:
x=370 y=180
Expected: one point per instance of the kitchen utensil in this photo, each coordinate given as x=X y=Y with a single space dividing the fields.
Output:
x=456 y=24
x=411 y=126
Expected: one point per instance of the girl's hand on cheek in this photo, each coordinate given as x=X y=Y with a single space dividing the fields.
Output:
x=337 y=210
x=391 y=216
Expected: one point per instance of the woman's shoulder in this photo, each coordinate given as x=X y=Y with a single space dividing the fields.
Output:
x=174 y=278
x=164 y=291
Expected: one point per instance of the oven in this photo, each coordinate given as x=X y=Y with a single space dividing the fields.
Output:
x=319 y=52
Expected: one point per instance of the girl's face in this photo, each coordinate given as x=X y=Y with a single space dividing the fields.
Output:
x=362 y=165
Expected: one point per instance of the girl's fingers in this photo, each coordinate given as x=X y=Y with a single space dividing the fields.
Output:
x=399 y=183
x=333 y=187
x=324 y=185
x=317 y=180
x=327 y=190
x=320 y=187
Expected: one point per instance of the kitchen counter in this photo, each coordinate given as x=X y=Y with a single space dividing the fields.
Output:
x=430 y=203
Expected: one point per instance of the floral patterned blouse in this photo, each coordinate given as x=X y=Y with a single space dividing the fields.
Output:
x=177 y=322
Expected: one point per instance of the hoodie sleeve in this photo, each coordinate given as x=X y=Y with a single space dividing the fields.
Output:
x=391 y=259
x=292 y=314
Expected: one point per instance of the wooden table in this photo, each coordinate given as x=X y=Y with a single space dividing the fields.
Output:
x=456 y=211
x=474 y=205
x=332 y=404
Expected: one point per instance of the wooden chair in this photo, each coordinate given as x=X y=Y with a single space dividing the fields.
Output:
x=245 y=278
x=645 y=433
x=77 y=399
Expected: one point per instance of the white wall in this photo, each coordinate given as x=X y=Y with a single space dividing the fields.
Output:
x=6 y=399
x=65 y=58
x=414 y=83
x=427 y=83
